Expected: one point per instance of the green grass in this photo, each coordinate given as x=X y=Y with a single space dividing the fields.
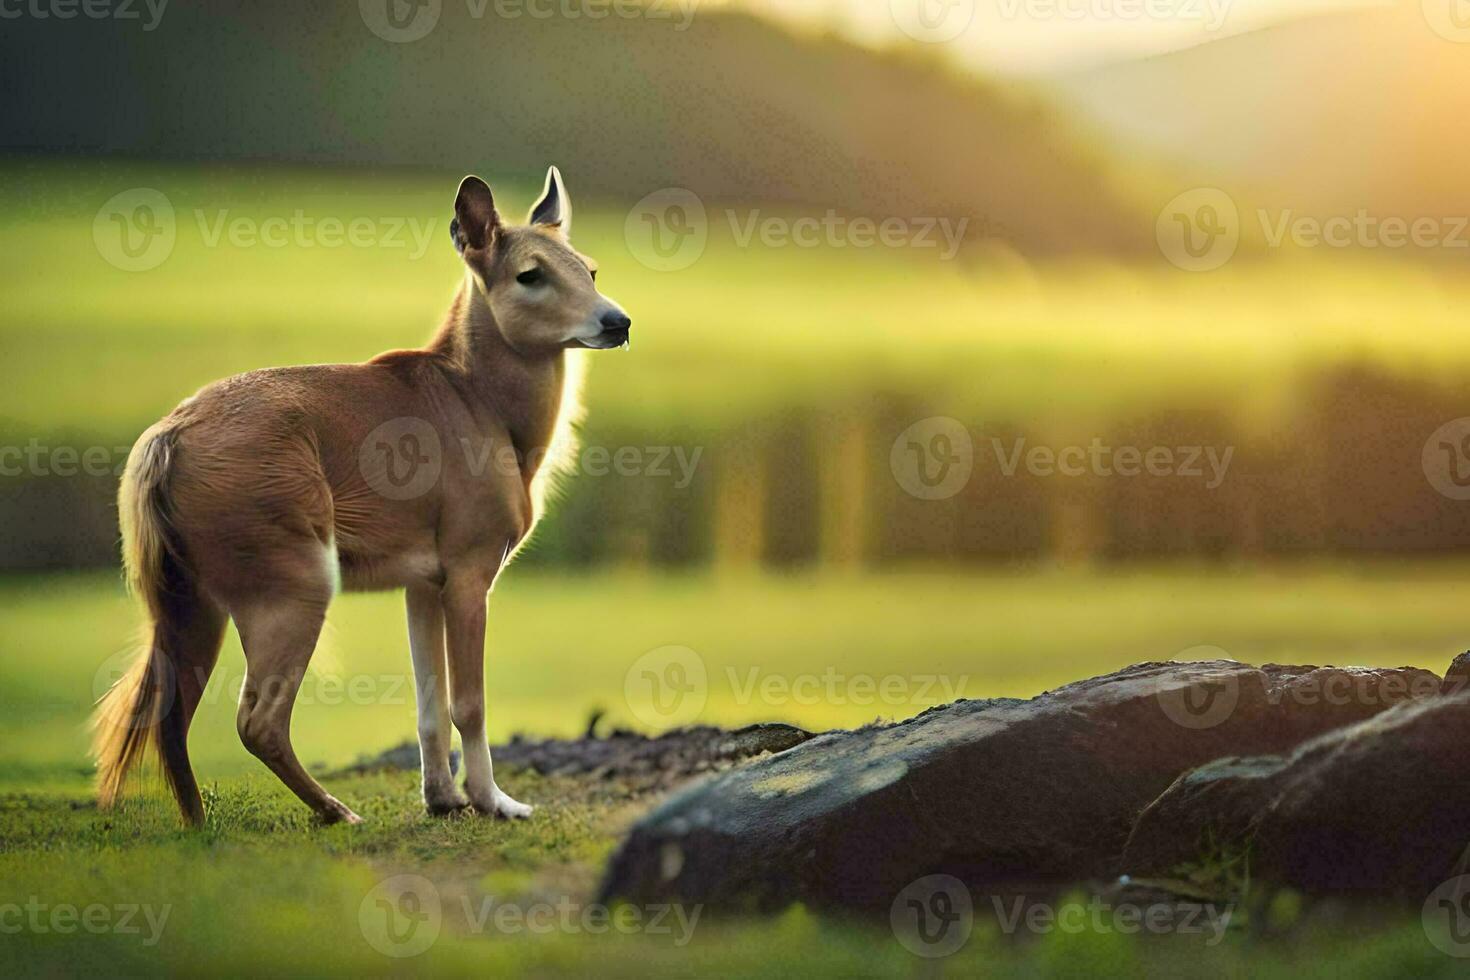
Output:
x=262 y=889
x=814 y=650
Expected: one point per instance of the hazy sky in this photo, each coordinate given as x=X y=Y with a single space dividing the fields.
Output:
x=1027 y=36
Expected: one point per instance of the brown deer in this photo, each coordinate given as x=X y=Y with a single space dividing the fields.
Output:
x=264 y=494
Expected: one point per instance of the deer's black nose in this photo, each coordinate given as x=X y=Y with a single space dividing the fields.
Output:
x=616 y=321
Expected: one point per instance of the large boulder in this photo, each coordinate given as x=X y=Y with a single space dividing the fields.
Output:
x=1457 y=676
x=984 y=790
x=1383 y=805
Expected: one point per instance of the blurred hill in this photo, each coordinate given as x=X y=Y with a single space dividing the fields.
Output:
x=733 y=108
x=1331 y=113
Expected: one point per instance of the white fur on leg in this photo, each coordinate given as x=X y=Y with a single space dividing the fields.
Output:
x=479 y=775
x=431 y=692
x=509 y=808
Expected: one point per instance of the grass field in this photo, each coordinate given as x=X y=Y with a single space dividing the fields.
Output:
x=260 y=892
x=813 y=650
x=263 y=890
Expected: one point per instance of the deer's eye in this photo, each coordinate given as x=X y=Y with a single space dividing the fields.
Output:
x=530 y=277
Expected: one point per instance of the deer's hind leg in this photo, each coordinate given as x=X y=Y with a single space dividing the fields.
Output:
x=279 y=634
x=256 y=515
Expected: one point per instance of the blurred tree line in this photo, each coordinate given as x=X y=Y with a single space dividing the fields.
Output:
x=1343 y=475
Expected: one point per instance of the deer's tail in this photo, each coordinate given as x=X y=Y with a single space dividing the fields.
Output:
x=151 y=705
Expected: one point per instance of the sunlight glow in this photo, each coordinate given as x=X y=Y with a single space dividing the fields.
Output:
x=1026 y=37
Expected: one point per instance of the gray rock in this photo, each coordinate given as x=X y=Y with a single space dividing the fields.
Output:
x=986 y=791
x=1458 y=676
x=1383 y=805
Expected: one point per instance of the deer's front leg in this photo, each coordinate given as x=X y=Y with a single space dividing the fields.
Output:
x=464 y=615
x=431 y=687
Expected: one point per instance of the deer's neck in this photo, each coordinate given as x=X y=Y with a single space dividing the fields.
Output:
x=524 y=390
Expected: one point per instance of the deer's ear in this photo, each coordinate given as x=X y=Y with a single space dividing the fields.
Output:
x=475 y=218
x=555 y=207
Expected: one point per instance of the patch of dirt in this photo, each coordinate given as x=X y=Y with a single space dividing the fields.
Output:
x=639 y=762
